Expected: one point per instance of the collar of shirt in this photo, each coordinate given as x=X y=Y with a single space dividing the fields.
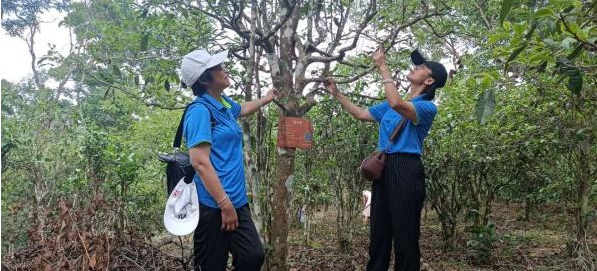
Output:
x=215 y=103
x=418 y=97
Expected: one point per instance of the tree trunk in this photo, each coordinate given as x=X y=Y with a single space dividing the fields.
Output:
x=31 y=46
x=251 y=169
x=582 y=212
x=279 y=232
x=282 y=78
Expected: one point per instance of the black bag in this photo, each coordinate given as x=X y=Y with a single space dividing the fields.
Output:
x=178 y=164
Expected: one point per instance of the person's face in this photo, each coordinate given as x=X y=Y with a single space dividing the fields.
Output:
x=220 y=77
x=420 y=75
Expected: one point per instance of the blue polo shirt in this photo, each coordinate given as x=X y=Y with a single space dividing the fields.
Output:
x=225 y=137
x=411 y=138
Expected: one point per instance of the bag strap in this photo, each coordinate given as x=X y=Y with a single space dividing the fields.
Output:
x=396 y=132
x=178 y=136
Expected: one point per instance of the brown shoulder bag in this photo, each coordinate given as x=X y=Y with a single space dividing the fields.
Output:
x=372 y=167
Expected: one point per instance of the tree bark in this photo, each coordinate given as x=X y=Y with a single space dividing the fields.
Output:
x=279 y=232
x=583 y=193
x=31 y=46
x=251 y=171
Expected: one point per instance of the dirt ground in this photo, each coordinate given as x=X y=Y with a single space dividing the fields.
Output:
x=539 y=244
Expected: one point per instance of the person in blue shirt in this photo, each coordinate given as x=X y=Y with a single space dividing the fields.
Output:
x=214 y=140
x=397 y=197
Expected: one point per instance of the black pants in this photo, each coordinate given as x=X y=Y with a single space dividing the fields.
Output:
x=212 y=245
x=396 y=204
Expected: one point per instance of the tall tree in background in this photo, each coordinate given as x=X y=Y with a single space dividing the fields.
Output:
x=22 y=19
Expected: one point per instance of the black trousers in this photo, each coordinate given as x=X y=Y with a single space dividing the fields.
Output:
x=396 y=204
x=212 y=245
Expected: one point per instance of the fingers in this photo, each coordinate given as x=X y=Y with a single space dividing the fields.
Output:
x=229 y=226
x=229 y=222
x=273 y=93
x=232 y=225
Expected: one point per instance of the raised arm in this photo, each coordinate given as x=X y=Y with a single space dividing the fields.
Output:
x=404 y=108
x=247 y=108
x=353 y=109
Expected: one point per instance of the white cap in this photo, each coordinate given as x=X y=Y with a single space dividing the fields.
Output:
x=196 y=62
x=181 y=215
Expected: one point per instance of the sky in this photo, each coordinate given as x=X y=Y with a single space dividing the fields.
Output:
x=15 y=58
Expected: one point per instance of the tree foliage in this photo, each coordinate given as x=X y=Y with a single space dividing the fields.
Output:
x=516 y=121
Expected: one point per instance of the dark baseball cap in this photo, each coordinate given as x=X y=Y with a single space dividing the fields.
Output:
x=438 y=71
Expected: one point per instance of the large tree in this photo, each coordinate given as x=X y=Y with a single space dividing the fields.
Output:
x=301 y=42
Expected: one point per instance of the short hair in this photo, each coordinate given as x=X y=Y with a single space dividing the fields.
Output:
x=198 y=88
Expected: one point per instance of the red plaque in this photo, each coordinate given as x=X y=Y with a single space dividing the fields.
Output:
x=295 y=133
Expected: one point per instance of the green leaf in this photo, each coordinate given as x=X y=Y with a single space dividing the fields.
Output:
x=544 y=12
x=507 y=25
x=572 y=27
x=167 y=85
x=485 y=106
x=567 y=42
x=144 y=42
x=484 y=80
x=497 y=37
x=574 y=80
x=550 y=43
x=538 y=58
x=575 y=30
x=116 y=70
x=506 y=7
x=494 y=74
x=471 y=82
x=515 y=53
x=529 y=34
x=541 y=68
x=576 y=52
x=582 y=34
x=519 y=28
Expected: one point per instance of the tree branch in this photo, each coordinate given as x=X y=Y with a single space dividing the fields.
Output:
x=575 y=35
x=343 y=81
x=440 y=36
x=485 y=19
x=126 y=92
x=342 y=51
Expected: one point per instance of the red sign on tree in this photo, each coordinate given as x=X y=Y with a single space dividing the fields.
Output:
x=295 y=133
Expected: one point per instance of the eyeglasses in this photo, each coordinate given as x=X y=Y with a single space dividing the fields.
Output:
x=423 y=66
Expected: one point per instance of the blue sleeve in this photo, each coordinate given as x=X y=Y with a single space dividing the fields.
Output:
x=235 y=109
x=377 y=111
x=197 y=126
x=426 y=111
